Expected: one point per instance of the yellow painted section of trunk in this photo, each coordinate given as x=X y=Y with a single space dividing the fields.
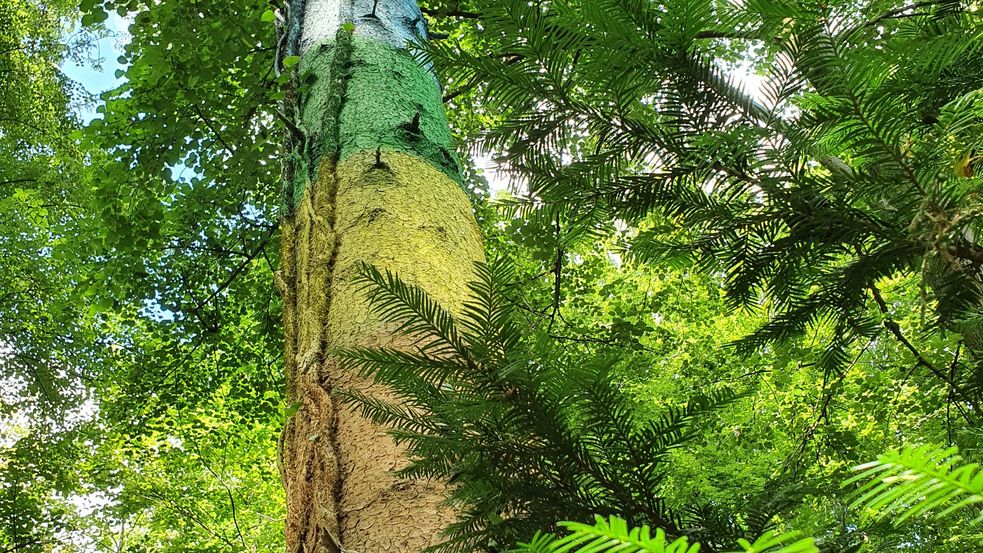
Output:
x=409 y=217
x=400 y=214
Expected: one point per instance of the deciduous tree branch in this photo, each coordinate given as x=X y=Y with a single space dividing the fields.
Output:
x=461 y=14
x=920 y=359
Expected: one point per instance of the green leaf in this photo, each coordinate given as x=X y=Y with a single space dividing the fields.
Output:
x=291 y=409
x=919 y=481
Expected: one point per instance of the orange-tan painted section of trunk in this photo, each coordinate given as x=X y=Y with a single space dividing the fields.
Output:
x=404 y=215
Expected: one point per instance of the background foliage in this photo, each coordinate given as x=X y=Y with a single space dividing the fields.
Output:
x=823 y=215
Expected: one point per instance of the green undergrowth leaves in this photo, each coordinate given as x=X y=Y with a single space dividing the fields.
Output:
x=526 y=434
x=835 y=157
x=613 y=534
x=919 y=481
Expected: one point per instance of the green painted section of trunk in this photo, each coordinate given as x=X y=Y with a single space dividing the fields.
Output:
x=362 y=95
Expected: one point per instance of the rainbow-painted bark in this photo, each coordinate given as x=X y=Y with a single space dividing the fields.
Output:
x=371 y=177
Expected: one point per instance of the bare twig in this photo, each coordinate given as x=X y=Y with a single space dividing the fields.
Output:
x=460 y=14
x=208 y=123
x=920 y=359
x=891 y=14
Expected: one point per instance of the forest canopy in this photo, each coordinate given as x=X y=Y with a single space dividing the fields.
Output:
x=731 y=295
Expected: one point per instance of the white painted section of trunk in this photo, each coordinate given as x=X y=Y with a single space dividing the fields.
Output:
x=396 y=22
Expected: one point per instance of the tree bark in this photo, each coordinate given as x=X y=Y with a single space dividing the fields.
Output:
x=370 y=177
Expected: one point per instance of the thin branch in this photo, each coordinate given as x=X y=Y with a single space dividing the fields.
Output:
x=208 y=124
x=920 y=359
x=735 y=35
x=968 y=251
x=461 y=14
x=468 y=87
x=215 y=250
x=240 y=268
x=228 y=490
x=25 y=545
x=592 y=340
x=153 y=494
x=557 y=276
x=891 y=14
x=471 y=84
x=19 y=122
x=288 y=122
x=17 y=181
x=823 y=409
x=951 y=396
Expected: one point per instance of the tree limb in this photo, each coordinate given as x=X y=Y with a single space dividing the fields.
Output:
x=920 y=359
x=208 y=124
x=461 y=14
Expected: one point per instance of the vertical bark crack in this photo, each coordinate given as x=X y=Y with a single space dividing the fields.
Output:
x=309 y=452
x=340 y=74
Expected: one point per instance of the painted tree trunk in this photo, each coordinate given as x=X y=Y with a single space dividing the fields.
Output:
x=371 y=177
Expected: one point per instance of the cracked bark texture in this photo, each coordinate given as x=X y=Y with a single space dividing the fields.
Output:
x=370 y=177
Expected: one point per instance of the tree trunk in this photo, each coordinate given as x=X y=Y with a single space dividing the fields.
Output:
x=371 y=177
